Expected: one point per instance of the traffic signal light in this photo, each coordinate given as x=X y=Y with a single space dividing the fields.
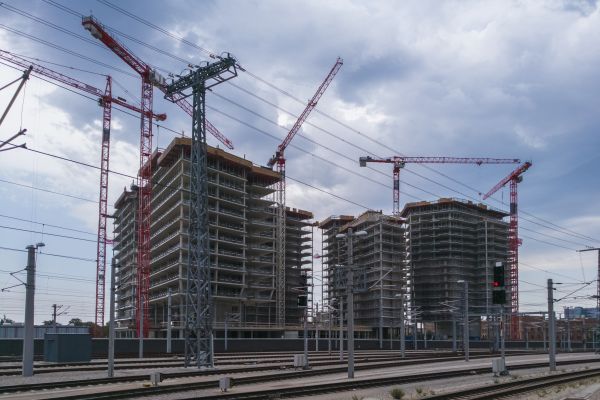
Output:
x=498 y=285
x=498 y=281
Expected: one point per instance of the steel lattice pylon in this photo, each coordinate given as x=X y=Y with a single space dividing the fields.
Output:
x=198 y=308
x=103 y=205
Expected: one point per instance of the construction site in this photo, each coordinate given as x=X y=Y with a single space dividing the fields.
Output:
x=310 y=250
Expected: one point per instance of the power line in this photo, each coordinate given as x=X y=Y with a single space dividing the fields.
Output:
x=50 y=254
x=115 y=107
x=65 y=50
x=48 y=191
x=210 y=53
x=45 y=224
x=47 y=234
x=273 y=86
x=58 y=276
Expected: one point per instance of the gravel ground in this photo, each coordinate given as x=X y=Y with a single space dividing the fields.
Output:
x=411 y=390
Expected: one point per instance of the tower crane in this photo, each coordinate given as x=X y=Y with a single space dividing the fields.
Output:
x=150 y=77
x=279 y=159
x=105 y=100
x=513 y=241
x=400 y=161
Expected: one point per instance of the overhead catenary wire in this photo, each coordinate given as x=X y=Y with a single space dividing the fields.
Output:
x=559 y=239
x=368 y=137
x=210 y=53
x=48 y=191
x=63 y=49
x=50 y=254
x=46 y=224
x=12 y=228
x=330 y=193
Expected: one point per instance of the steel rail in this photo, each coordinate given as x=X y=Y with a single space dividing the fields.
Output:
x=267 y=394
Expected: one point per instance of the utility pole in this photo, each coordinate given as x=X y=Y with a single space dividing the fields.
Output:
x=551 y=327
x=466 y=319
x=141 y=336
x=23 y=79
x=349 y=236
x=169 y=324
x=305 y=337
x=29 y=311
x=350 y=305
x=328 y=329
x=341 y=328
x=502 y=335
x=54 y=308
x=316 y=320
x=226 y=332
x=111 y=320
x=402 y=329
x=454 y=346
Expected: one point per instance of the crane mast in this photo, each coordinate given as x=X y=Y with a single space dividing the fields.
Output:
x=400 y=161
x=279 y=159
x=514 y=178
x=105 y=100
x=150 y=77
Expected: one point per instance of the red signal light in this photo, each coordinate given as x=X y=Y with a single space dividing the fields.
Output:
x=496 y=284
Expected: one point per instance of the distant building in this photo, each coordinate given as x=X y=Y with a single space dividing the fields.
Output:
x=451 y=240
x=581 y=312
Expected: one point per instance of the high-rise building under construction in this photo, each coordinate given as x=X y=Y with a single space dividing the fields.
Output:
x=451 y=241
x=242 y=245
x=379 y=270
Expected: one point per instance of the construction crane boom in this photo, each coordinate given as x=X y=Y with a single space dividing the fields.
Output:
x=513 y=175
x=514 y=242
x=279 y=159
x=105 y=100
x=440 y=160
x=400 y=161
x=98 y=31
x=42 y=71
x=309 y=107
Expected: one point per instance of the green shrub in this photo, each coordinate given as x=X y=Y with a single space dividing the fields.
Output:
x=397 y=393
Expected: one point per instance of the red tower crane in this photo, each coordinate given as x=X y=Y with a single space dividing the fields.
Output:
x=105 y=100
x=400 y=161
x=279 y=159
x=150 y=77
x=513 y=241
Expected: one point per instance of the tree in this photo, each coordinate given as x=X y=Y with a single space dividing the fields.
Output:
x=48 y=323
x=6 y=321
x=76 y=322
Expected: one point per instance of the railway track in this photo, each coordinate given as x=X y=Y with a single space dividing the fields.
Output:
x=266 y=394
x=517 y=387
x=152 y=364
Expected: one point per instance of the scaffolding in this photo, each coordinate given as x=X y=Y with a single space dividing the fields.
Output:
x=242 y=227
x=450 y=240
x=380 y=269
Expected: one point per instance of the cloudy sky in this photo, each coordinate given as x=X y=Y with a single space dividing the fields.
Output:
x=509 y=79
